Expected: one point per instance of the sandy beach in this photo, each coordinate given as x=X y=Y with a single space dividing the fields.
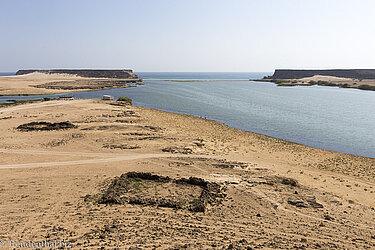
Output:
x=364 y=84
x=43 y=84
x=259 y=191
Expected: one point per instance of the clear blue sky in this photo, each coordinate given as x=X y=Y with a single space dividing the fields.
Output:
x=187 y=35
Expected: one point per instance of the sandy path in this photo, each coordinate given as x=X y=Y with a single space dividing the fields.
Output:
x=33 y=106
x=45 y=84
x=99 y=158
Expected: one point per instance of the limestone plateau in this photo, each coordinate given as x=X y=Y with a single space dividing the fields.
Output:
x=119 y=74
x=344 y=73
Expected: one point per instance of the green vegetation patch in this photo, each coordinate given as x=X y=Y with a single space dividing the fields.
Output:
x=127 y=100
x=322 y=83
x=279 y=81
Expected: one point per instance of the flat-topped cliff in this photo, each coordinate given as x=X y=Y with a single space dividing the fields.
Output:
x=344 y=73
x=119 y=74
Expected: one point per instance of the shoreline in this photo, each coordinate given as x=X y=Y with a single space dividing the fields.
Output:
x=38 y=83
x=189 y=116
x=72 y=91
x=248 y=131
x=25 y=102
x=279 y=140
x=363 y=79
x=348 y=84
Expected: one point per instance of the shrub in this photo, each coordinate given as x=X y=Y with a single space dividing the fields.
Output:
x=322 y=83
x=366 y=87
x=313 y=83
x=278 y=81
x=345 y=85
x=125 y=99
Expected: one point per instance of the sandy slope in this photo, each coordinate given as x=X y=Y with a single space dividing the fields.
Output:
x=354 y=83
x=44 y=176
x=26 y=84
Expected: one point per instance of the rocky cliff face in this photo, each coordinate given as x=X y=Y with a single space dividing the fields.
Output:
x=120 y=74
x=346 y=73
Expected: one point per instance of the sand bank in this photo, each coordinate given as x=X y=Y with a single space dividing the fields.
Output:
x=364 y=84
x=41 y=84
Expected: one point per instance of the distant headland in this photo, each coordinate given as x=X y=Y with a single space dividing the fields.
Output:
x=119 y=74
x=344 y=78
x=53 y=81
x=344 y=73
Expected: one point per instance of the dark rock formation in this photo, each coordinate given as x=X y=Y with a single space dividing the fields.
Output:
x=119 y=74
x=34 y=126
x=346 y=73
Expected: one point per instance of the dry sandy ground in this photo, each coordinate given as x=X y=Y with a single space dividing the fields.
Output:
x=338 y=80
x=277 y=194
x=354 y=83
x=51 y=84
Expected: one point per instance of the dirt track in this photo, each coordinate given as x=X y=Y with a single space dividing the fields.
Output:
x=33 y=106
x=98 y=158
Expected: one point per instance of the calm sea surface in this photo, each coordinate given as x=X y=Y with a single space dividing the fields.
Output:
x=7 y=73
x=325 y=117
